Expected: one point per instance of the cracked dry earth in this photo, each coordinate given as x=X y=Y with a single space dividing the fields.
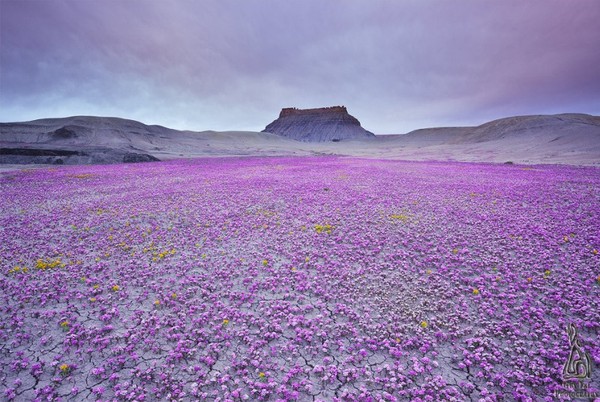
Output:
x=296 y=279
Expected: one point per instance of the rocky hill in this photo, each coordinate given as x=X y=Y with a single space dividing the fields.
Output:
x=561 y=129
x=318 y=125
x=101 y=140
x=76 y=140
x=563 y=138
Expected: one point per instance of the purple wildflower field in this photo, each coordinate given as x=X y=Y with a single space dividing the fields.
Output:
x=296 y=279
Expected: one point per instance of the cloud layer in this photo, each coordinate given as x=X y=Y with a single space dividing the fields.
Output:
x=232 y=64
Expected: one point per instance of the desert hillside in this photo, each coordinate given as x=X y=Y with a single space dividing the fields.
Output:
x=551 y=139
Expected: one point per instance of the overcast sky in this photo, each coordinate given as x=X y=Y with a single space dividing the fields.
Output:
x=232 y=65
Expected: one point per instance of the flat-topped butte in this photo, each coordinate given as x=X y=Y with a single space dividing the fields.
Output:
x=324 y=124
x=287 y=111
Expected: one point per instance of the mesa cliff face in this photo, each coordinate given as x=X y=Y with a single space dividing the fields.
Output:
x=318 y=125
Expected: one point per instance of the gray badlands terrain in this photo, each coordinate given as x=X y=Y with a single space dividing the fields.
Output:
x=318 y=125
x=562 y=139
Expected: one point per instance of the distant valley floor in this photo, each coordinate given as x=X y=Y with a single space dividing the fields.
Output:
x=572 y=139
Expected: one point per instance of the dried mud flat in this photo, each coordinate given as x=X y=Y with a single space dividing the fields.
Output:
x=314 y=278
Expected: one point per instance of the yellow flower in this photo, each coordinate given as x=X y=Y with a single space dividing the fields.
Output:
x=92 y=299
x=424 y=324
x=454 y=251
x=40 y=264
x=225 y=321
x=157 y=302
x=475 y=291
x=64 y=368
x=595 y=251
x=547 y=273
x=429 y=272
x=64 y=324
x=265 y=262
x=261 y=375
x=400 y=217
x=293 y=269
x=529 y=280
x=116 y=288
x=174 y=296
x=323 y=228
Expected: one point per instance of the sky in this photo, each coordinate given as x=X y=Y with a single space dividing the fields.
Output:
x=397 y=65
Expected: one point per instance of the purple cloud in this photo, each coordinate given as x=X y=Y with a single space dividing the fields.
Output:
x=232 y=65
